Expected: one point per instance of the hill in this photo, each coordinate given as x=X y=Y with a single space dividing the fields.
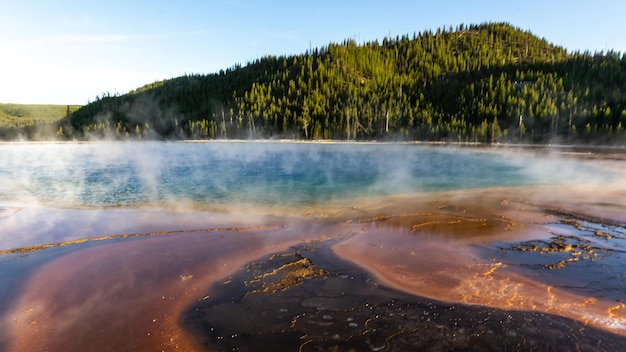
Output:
x=480 y=83
x=24 y=115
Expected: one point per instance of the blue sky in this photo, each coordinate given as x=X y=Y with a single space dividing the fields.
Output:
x=67 y=52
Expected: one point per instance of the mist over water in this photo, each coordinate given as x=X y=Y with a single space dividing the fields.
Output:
x=56 y=192
x=223 y=175
x=152 y=226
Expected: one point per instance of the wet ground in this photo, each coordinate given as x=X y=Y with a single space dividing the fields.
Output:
x=336 y=306
x=584 y=254
x=491 y=270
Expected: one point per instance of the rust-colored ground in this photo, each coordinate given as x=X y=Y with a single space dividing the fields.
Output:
x=432 y=248
x=129 y=295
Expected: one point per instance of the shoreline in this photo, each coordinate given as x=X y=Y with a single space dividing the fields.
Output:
x=142 y=286
x=451 y=245
x=337 y=305
x=428 y=246
x=478 y=145
x=462 y=275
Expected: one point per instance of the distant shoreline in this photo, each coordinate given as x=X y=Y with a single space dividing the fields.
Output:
x=586 y=151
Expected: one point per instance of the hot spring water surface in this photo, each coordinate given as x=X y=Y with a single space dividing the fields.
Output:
x=236 y=245
x=224 y=174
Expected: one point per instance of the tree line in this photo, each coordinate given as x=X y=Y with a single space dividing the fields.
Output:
x=479 y=83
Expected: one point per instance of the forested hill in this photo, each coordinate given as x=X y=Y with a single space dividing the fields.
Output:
x=478 y=83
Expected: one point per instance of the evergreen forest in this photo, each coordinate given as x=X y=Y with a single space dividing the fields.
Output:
x=487 y=83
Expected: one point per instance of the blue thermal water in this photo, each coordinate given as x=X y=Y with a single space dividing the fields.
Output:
x=254 y=173
x=224 y=174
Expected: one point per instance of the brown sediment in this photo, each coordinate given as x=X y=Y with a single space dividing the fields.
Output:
x=577 y=248
x=290 y=274
x=131 y=235
x=437 y=256
x=128 y=296
x=391 y=216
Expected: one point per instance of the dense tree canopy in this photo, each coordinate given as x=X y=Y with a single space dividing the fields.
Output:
x=476 y=83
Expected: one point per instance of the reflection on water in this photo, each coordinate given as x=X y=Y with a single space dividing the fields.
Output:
x=583 y=255
x=227 y=175
x=460 y=254
x=368 y=247
x=343 y=310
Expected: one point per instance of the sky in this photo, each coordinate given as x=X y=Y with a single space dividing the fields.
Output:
x=69 y=52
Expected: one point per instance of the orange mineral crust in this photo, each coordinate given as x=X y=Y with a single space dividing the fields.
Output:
x=432 y=248
x=129 y=295
x=129 y=292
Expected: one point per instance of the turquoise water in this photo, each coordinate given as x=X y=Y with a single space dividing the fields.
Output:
x=222 y=174
x=71 y=196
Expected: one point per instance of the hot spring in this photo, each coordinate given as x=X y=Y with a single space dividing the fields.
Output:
x=308 y=246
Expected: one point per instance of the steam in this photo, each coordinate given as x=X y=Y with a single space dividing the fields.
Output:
x=54 y=192
x=53 y=179
x=555 y=166
x=222 y=174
